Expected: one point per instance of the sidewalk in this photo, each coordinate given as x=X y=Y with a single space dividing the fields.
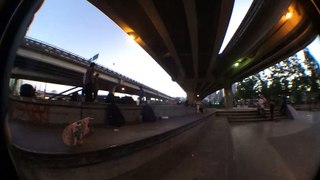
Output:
x=205 y=157
x=47 y=139
x=278 y=150
x=267 y=150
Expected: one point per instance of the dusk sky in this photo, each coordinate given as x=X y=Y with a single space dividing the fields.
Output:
x=79 y=27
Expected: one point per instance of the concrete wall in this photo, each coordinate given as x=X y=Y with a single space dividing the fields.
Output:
x=63 y=112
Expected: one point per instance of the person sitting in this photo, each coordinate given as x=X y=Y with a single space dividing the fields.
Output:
x=75 y=96
x=148 y=114
x=110 y=98
x=114 y=116
x=26 y=90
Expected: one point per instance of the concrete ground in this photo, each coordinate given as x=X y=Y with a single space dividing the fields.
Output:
x=47 y=139
x=267 y=150
x=205 y=158
x=278 y=150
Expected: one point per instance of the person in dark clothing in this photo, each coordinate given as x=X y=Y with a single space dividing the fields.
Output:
x=147 y=114
x=74 y=96
x=95 y=86
x=141 y=94
x=114 y=116
x=283 y=109
x=26 y=90
x=88 y=82
x=110 y=98
x=186 y=103
x=271 y=104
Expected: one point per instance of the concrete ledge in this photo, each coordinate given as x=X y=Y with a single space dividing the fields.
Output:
x=292 y=112
x=64 y=112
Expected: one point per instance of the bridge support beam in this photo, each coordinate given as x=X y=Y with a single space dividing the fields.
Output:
x=16 y=86
x=191 y=97
x=113 y=89
x=228 y=97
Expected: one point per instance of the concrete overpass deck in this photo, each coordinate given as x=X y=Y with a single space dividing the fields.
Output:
x=266 y=150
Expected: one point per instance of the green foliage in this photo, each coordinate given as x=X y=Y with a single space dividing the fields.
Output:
x=313 y=68
x=291 y=77
x=247 y=89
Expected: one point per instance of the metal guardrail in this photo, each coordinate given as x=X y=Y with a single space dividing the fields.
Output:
x=65 y=92
x=59 y=52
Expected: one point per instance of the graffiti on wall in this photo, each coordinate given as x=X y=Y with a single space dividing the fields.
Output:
x=30 y=112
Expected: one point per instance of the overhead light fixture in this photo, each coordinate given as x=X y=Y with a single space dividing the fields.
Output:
x=236 y=64
x=133 y=35
x=198 y=95
x=123 y=89
x=288 y=15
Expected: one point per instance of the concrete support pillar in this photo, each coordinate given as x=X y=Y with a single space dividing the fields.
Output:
x=228 y=97
x=191 y=97
x=16 y=87
x=113 y=89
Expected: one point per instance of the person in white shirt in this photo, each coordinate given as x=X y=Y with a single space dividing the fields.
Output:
x=261 y=106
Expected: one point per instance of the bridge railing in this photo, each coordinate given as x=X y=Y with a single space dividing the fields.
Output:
x=51 y=49
x=59 y=52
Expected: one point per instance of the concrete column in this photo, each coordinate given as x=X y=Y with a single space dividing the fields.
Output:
x=228 y=97
x=113 y=89
x=16 y=87
x=191 y=97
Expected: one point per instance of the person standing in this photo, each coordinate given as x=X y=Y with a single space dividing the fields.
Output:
x=283 y=109
x=198 y=106
x=95 y=86
x=261 y=103
x=141 y=94
x=271 y=104
x=88 y=82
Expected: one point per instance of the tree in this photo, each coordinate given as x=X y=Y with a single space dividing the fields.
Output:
x=262 y=84
x=292 y=77
x=313 y=68
x=247 y=88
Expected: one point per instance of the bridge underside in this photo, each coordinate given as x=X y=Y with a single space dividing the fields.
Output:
x=184 y=37
x=37 y=64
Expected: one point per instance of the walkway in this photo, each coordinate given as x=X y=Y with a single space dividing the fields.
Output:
x=267 y=150
x=208 y=157
x=47 y=139
x=278 y=150
x=285 y=150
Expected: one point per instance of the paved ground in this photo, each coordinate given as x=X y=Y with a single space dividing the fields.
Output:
x=47 y=139
x=207 y=157
x=268 y=150
x=278 y=150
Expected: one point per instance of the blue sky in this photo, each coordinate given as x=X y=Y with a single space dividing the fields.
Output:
x=78 y=27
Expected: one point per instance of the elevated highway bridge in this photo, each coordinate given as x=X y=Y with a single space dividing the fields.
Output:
x=40 y=61
x=185 y=36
